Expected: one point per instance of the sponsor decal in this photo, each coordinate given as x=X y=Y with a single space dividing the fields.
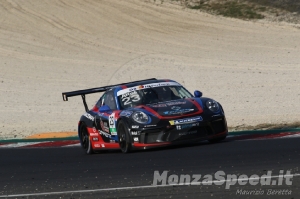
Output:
x=96 y=145
x=100 y=114
x=135 y=126
x=135 y=132
x=113 y=131
x=89 y=116
x=95 y=138
x=150 y=125
x=129 y=89
x=126 y=113
x=158 y=105
x=187 y=133
x=186 y=120
x=175 y=103
x=185 y=126
x=112 y=141
x=136 y=139
x=93 y=134
x=129 y=94
x=140 y=87
x=168 y=104
x=111 y=120
x=181 y=111
x=175 y=108
x=105 y=134
x=103 y=145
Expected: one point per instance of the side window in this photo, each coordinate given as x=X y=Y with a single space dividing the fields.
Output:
x=100 y=101
x=175 y=92
x=109 y=100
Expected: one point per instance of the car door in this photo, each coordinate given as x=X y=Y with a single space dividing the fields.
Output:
x=104 y=119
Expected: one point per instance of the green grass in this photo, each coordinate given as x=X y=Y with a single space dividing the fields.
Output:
x=242 y=9
x=232 y=9
x=288 y=5
x=236 y=10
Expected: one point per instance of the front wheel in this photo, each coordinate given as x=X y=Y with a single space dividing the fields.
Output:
x=124 y=139
x=85 y=139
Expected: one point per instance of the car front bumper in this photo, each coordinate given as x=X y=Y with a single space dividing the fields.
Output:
x=183 y=133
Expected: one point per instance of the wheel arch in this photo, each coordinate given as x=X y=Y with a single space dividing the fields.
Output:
x=87 y=146
x=126 y=122
x=119 y=120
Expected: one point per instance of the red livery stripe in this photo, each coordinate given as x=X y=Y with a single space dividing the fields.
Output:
x=152 y=144
x=52 y=144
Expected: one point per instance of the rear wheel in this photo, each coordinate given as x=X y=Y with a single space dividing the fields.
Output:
x=124 y=139
x=85 y=139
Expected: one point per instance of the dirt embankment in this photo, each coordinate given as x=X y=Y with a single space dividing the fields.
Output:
x=49 y=47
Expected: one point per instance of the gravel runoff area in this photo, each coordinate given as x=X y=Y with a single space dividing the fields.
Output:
x=50 y=47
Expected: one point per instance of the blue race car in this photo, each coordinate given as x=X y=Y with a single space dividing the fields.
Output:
x=148 y=113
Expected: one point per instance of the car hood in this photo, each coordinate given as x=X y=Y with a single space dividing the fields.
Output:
x=174 y=108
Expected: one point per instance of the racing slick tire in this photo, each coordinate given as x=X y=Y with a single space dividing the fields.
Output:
x=124 y=138
x=216 y=140
x=85 y=139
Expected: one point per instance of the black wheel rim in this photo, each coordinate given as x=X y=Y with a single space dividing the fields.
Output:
x=122 y=138
x=84 y=138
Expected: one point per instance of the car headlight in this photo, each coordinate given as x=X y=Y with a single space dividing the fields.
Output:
x=212 y=105
x=140 y=117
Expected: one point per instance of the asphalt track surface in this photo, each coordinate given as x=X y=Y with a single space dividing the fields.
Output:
x=66 y=172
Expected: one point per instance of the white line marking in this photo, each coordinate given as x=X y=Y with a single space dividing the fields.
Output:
x=140 y=187
x=71 y=145
x=20 y=144
x=290 y=136
x=273 y=138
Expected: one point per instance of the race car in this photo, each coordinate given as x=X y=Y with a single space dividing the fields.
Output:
x=148 y=113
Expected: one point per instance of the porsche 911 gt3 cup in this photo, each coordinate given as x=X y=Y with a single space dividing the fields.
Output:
x=148 y=113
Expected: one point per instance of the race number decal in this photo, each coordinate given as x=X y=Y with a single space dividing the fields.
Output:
x=111 y=121
x=131 y=97
x=112 y=125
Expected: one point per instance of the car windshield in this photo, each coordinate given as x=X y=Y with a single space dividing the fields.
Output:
x=152 y=95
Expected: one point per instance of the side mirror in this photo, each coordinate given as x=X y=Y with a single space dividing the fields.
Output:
x=104 y=108
x=197 y=93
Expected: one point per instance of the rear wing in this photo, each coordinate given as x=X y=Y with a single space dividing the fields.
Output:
x=84 y=92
